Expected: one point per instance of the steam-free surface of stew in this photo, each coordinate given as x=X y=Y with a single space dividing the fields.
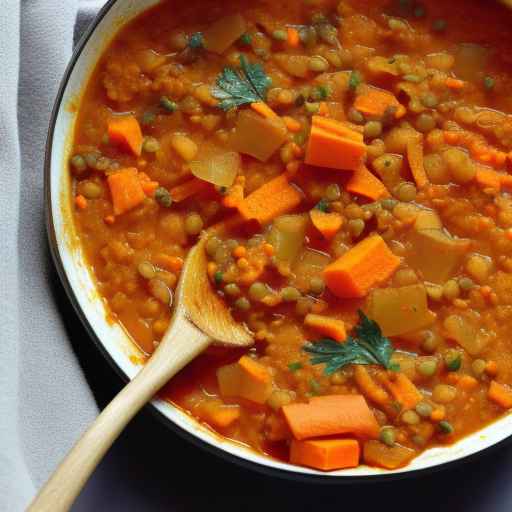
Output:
x=360 y=153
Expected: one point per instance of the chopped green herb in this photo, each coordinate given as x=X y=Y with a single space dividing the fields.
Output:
x=453 y=360
x=168 y=104
x=489 y=83
x=322 y=92
x=439 y=25
x=218 y=278
x=196 y=41
x=354 y=80
x=314 y=386
x=237 y=87
x=311 y=107
x=245 y=39
x=322 y=205
x=445 y=427
x=163 y=197
x=293 y=367
x=368 y=346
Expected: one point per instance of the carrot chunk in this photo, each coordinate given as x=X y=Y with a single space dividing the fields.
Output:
x=270 y=200
x=188 y=189
x=81 y=202
x=332 y=327
x=369 y=387
x=327 y=223
x=235 y=193
x=500 y=394
x=366 y=265
x=375 y=102
x=263 y=109
x=366 y=184
x=403 y=390
x=331 y=415
x=487 y=178
x=332 y=144
x=293 y=38
x=415 y=157
x=125 y=131
x=325 y=454
x=125 y=189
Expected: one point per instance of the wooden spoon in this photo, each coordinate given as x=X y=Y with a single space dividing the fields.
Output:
x=200 y=318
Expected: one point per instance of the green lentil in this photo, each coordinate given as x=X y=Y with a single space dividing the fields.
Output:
x=372 y=129
x=167 y=104
x=91 y=159
x=387 y=435
x=332 y=192
x=316 y=285
x=452 y=359
x=314 y=386
x=151 y=145
x=389 y=204
x=406 y=192
x=328 y=33
x=410 y=417
x=212 y=244
x=193 y=224
x=427 y=367
x=258 y=290
x=354 y=80
x=445 y=427
x=218 y=278
x=242 y=304
x=79 y=164
x=355 y=116
x=356 y=226
x=322 y=92
x=232 y=290
x=424 y=409
x=290 y=294
x=318 y=64
x=425 y=123
x=280 y=35
x=419 y=11
x=429 y=100
x=466 y=284
x=148 y=118
x=451 y=289
x=311 y=108
x=162 y=197
x=91 y=190
x=478 y=367
x=431 y=342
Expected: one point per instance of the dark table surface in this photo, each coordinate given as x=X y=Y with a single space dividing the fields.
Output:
x=150 y=468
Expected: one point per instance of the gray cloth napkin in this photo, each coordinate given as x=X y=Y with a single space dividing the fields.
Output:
x=45 y=402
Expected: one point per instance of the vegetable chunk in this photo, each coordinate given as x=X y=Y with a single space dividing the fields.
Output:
x=220 y=35
x=330 y=415
x=125 y=131
x=325 y=454
x=389 y=457
x=126 y=190
x=366 y=184
x=367 y=264
x=331 y=327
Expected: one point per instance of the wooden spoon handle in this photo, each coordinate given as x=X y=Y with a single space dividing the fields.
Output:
x=65 y=484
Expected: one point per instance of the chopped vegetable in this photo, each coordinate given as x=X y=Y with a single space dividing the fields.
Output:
x=375 y=102
x=354 y=80
x=400 y=310
x=274 y=198
x=333 y=145
x=258 y=136
x=125 y=131
x=369 y=388
x=220 y=415
x=184 y=146
x=415 y=157
x=366 y=184
x=389 y=457
x=126 y=190
x=293 y=38
x=220 y=169
x=167 y=104
x=331 y=415
x=325 y=454
x=287 y=236
x=235 y=87
x=327 y=223
x=221 y=34
x=263 y=109
x=500 y=394
x=188 y=189
x=235 y=194
x=368 y=346
x=403 y=390
x=331 y=327
x=367 y=264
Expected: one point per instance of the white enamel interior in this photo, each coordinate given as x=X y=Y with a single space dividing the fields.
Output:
x=115 y=340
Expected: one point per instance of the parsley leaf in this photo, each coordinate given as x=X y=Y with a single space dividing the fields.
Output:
x=196 y=41
x=236 y=87
x=367 y=346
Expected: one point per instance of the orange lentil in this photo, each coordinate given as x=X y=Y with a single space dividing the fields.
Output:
x=109 y=219
x=81 y=202
x=451 y=137
x=293 y=38
x=242 y=263
x=454 y=83
x=268 y=249
x=239 y=252
x=292 y=167
x=452 y=378
x=437 y=414
x=491 y=368
x=485 y=290
x=467 y=383
x=292 y=124
x=212 y=268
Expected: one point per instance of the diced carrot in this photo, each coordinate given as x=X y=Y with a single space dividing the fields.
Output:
x=366 y=184
x=125 y=131
x=438 y=414
x=328 y=223
x=451 y=136
x=467 y=383
x=487 y=178
x=332 y=327
x=500 y=394
x=235 y=193
x=367 y=264
x=403 y=390
x=149 y=187
x=263 y=109
x=337 y=128
x=188 y=189
x=454 y=83
x=415 y=157
x=81 y=202
x=331 y=415
x=272 y=199
x=323 y=109
x=328 y=149
x=125 y=189
x=171 y=263
x=375 y=102
x=256 y=370
x=506 y=181
x=293 y=38
x=292 y=124
x=369 y=387
x=325 y=454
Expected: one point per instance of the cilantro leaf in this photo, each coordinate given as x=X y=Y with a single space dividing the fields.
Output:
x=235 y=87
x=196 y=41
x=367 y=346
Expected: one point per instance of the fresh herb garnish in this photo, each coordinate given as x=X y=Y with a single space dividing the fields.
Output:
x=218 y=277
x=354 y=80
x=236 y=87
x=293 y=367
x=367 y=346
x=196 y=41
x=322 y=205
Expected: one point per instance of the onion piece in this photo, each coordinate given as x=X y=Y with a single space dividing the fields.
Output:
x=221 y=169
